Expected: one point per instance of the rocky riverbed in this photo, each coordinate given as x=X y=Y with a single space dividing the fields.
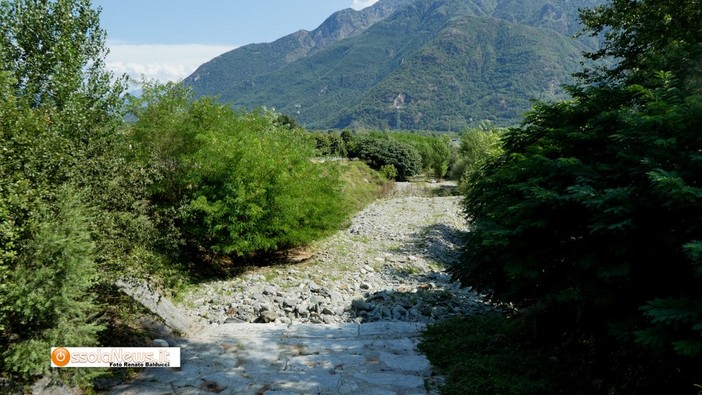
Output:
x=347 y=320
x=389 y=265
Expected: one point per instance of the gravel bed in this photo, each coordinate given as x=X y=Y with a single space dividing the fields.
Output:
x=389 y=265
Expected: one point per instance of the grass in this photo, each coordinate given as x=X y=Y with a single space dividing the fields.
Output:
x=488 y=354
x=360 y=239
x=361 y=185
x=496 y=354
x=270 y=275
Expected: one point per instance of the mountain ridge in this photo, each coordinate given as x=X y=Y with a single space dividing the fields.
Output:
x=262 y=58
x=408 y=64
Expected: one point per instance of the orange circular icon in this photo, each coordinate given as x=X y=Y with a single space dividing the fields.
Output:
x=60 y=357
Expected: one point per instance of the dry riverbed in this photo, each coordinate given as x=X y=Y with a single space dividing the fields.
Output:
x=345 y=321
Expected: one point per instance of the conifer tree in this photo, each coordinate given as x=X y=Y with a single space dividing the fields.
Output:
x=590 y=219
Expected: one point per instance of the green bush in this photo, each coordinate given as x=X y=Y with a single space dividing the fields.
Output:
x=437 y=150
x=388 y=171
x=241 y=183
x=477 y=147
x=72 y=205
x=330 y=144
x=378 y=152
x=258 y=191
x=441 y=156
x=46 y=298
x=591 y=217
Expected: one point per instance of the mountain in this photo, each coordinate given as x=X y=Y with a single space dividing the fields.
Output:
x=239 y=67
x=408 y=64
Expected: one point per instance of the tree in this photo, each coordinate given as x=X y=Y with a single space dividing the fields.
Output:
x=69 y=201
x=379 y=152
x=478 y=146
x=590 y=218
x=47 y=299
x=55 y=51
x=646 y=36
x=237 y=184
x=440 y=156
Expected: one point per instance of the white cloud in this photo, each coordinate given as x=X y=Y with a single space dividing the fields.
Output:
x=163 y=62
x=361 y=4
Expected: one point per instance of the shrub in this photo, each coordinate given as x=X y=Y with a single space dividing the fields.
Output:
x=388 y=171
x=46 y=297
x=257 y=190
x=478 y=146
x=241 y=184
x=441 y=156
x=591 y=217
x=378 y=152
x=436 y=150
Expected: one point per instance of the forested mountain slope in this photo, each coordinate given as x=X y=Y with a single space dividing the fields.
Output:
x=408 y=64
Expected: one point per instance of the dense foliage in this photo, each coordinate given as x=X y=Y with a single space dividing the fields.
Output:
x=86 y=199
x=496 y=356
x=379 y=152
x=397 y=155
x=240 y=183
x=477 y=147
x=590 y=220
x=67 y=197
x=436 y=150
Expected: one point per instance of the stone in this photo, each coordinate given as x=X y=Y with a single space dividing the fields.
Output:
x=398 y=380
x=131 y=389
x=417 y=364
x=395 y=328
x=105 y=384
x=385 y=312
x=348 y=387
x=159 y=343
x=313 y=286
x=398 y=312
x=154 y=302
x=270 y=290
x=335 y=296
x=267 y=316
x=290 y=302
x=260 y=297
x=248 y=316
x=358 y=304
x=315 y=299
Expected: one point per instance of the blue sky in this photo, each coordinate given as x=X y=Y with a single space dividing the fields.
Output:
x=168 y=39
